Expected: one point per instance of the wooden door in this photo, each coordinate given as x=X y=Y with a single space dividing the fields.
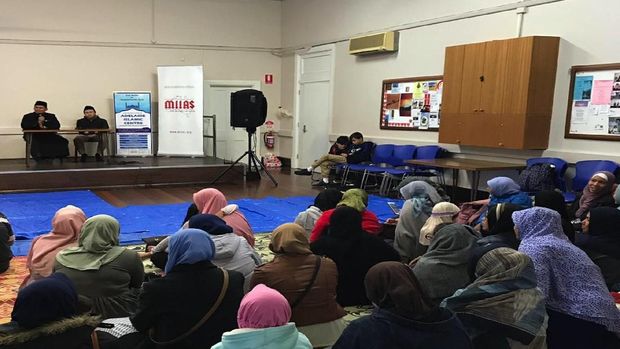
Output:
x=450 y=127
x=473 y=65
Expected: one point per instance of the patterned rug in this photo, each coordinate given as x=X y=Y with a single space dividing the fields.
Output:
x=12 y=278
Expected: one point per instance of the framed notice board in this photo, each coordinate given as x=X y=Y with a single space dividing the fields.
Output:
x=594 y=102
x=411 y=103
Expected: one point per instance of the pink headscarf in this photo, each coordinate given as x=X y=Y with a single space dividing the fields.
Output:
x=66 y=226
x=211 y=201
x=588 y=198
x=263 y=307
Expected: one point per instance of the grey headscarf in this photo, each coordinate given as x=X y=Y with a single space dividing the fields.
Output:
x=444 y=268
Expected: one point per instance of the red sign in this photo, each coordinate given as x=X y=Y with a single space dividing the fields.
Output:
x=269 y=79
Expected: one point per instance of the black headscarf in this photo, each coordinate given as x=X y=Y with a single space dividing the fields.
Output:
x=327 y=199
x=345 y=223
x=46 y=300
x=500 y=218
x=603 y=232
x=212 y=224
x=393 y=286
x=555 y=201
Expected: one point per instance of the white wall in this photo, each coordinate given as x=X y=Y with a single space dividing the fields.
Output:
x=77 y=52
x=588 y=31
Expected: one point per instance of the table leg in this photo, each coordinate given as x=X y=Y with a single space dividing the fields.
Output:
x=455 y=182
x=475 y=178
x=28 y=147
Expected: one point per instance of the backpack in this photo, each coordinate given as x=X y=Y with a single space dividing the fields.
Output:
x=537 y=177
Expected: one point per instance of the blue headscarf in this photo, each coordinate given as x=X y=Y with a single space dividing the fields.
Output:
x=502 y=186
x=212 y=224
x=46 y=300
x=189 y=246
x=571 y=282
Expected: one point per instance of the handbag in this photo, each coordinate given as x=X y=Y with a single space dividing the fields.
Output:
x=317 y=266
x=202 y=321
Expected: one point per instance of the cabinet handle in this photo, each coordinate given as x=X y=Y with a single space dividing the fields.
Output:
x=475 y=110
x=482 y=110
x=481 y=78
x=458 y=141
x=500 y=144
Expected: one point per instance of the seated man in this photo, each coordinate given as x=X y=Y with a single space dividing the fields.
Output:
x=90 y=121
x=337 y=154
x=44 y=145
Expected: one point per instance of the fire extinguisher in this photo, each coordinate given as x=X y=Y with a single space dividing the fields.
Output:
x=269 y=137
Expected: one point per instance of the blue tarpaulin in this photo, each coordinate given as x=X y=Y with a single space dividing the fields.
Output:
x=31 y=214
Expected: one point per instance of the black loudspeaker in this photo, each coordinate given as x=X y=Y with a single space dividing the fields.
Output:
x=248 y=108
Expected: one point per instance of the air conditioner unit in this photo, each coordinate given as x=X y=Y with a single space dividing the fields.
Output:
x=376 y=43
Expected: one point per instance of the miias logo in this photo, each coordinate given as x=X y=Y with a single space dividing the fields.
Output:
x=178 y=104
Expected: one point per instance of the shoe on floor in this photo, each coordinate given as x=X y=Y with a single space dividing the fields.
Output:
x=319 y=183
x=98 y=157
x=303 y=172
x=84 y=157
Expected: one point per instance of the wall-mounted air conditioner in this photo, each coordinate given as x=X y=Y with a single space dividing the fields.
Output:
x=376 y=43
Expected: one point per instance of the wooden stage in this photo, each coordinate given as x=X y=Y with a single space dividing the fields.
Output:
x=114 y=172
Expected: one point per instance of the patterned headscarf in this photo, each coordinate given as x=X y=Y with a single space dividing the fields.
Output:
x=571 y=282
x=443 y=212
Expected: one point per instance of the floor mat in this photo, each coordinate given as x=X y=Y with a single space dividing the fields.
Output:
x=9 y=284
x=30 y=214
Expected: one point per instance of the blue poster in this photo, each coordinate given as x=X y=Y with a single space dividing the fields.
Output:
x=132 y=111
x=583 y=87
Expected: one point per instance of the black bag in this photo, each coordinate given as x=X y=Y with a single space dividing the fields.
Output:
x=537 y=177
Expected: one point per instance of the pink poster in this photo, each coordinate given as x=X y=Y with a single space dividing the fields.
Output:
x=601 y=92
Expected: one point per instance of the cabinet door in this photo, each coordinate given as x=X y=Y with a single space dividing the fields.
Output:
x=473 y=65
x=494 y=79
x=450 y=128
x=518 y=66
x=452 y=80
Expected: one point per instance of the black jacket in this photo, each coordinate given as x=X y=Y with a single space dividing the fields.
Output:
x=360 y=153
x=175 y=303
x=5 y=232
x=94 y=123
x=31 y=121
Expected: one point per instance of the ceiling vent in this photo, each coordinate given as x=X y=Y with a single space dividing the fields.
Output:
x=376 y=43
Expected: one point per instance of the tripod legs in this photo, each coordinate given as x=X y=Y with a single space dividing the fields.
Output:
x=253 y=166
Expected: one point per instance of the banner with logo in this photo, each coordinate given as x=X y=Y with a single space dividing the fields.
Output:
x=180 y=110
x=132 y=111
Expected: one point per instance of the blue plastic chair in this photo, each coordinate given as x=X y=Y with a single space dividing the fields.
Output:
x=381 y=155
x=427 y=152
x=584 y=170
x=560 y=169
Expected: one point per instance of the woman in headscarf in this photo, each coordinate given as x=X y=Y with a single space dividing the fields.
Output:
x=498 y=227
x=403 y=316
x=555 y=201
x=324 y=201
x=106 y=274
x=443 y=213
x=45 y=315
x=502 y=308
x=421 y=197
x=232 y=252
x=601 y=241
x=599 y=192
x=581 y=312
x=66 y=226
x=263 y=321
x=443 y=269
x=170 y=306
x=505 y=190
x=354 y=198
x=312 y=292
x=353 y=251
x=212 y=201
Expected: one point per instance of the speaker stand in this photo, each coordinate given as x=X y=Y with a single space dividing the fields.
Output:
x=254 y=164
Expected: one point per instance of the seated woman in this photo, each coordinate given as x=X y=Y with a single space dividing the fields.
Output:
x=505 y=190
x=108 y=275
x=581 y=312
x=601 y=241
x=212 y=201
x=498 y=227
x=45 y=315
x=325 y=200
x=403 y=316
x=443 y=213
x=443 y=269
x=502 y=308
x=312 y=292
x=193 y=292
x=421 y=197
x=263 y=320
x=7 y=238
x=353 y=251
x=66 y=226
x=597 y=193
x=357 y=199
x=555 y=201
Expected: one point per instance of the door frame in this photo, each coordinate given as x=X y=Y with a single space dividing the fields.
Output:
x=314 y=51
x=253 y=84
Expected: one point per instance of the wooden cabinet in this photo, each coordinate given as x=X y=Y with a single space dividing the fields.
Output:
x=499 y=93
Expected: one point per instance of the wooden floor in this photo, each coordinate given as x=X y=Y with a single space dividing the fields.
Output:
x=288 y=185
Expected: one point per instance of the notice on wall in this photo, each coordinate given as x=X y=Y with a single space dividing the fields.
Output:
x=595 y=103
x=411 y=103
x=132 y=112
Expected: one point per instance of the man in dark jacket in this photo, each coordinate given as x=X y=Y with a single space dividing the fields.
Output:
x=90 y=121
x=6 y=240
x=44 y=145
